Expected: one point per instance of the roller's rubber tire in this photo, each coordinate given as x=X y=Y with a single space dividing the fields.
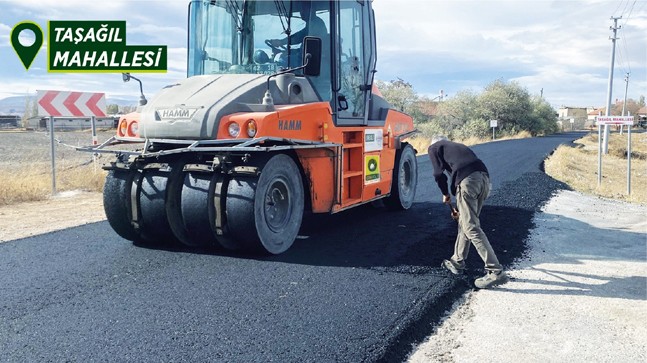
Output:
x=154 y=227
x=197 y=212
x=405 y=179
x=175 y=186
x=265 y=213
x=116 y=203
x=188 y=210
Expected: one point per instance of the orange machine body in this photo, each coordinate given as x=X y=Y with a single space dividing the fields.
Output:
x=337 y=177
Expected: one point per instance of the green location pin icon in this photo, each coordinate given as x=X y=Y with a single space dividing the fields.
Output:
x=26 y=53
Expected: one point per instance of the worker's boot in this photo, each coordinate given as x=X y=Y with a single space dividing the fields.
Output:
x=491 y=279
x=452 y=267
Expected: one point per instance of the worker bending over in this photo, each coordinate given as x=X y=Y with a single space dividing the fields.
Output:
x=470 y=183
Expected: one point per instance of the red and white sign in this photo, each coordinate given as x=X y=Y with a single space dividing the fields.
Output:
x=614 y=120
x=71 y=104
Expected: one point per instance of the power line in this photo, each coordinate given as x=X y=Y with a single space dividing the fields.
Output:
x=618 y=7
x=630 y=10
x=625 y=8
x=642 y=5
x=623 y=50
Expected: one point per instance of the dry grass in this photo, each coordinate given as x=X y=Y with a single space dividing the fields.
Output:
x=420 y=143
x=34 y=182
x=577 y=166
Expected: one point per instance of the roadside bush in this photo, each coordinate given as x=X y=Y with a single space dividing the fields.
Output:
x=431 y=129
x=479 y=129
x=467 y=114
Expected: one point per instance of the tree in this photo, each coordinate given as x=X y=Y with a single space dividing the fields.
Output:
x=399 y=94
x=509 y=103
x=31 y=110
x=112 y=109
x=458 y=110
x=632 y=107
x=467 y=114
x=544 y=116
x=427 y=107
x=128 y=109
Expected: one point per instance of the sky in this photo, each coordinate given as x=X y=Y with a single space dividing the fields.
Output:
x=558 y=48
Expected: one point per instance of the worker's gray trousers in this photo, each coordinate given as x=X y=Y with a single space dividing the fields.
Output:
x=470 y=196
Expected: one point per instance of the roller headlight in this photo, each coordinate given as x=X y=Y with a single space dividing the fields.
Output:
x=251 y=128
x=133 y=129
x=233 y=129
x=123 y=127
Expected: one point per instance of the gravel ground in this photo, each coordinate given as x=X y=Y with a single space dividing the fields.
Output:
x=34 y=218
x=580 y=294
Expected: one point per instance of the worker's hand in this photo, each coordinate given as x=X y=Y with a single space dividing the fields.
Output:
x=447 y=199
x=455 y=214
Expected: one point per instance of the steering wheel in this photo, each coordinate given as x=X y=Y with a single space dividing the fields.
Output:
x=275 y=50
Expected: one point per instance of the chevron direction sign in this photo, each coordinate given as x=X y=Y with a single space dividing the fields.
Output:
x=71 y=104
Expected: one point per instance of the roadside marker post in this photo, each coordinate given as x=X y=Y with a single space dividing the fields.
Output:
x=93 y=122
x=599 y=155
x=615 y=120
x=52 y=153
x=493 y=125
x=628 y=160
x=95 y=140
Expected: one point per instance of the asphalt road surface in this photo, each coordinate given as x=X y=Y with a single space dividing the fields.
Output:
x=360 y=286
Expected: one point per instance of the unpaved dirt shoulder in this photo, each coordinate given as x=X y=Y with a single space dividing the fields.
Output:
x=581 y=295
x=67 y=209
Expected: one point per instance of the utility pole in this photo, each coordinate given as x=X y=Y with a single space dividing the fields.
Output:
x=614 y=28
x=624 y=104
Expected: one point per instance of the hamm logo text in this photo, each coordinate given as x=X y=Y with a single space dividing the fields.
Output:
x=289 y=125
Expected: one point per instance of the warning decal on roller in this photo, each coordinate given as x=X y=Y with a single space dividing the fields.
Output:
x=371 y=169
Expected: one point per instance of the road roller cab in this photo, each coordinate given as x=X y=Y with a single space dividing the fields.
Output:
x=278 y=115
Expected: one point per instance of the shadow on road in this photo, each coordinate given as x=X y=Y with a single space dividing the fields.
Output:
x=413 y=241
x=629 y=287
x=408 y=242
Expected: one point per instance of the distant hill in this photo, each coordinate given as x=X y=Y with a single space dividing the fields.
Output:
x=122 y=102
x=15 y=105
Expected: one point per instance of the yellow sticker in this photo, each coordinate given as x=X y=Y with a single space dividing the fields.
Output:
x=371 y=169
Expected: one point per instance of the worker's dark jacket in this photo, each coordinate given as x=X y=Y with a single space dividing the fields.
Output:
x=459 y=160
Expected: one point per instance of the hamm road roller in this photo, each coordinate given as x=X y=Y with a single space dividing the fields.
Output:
x=277 y=116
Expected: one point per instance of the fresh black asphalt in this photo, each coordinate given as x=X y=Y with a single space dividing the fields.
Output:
x=358 y=286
